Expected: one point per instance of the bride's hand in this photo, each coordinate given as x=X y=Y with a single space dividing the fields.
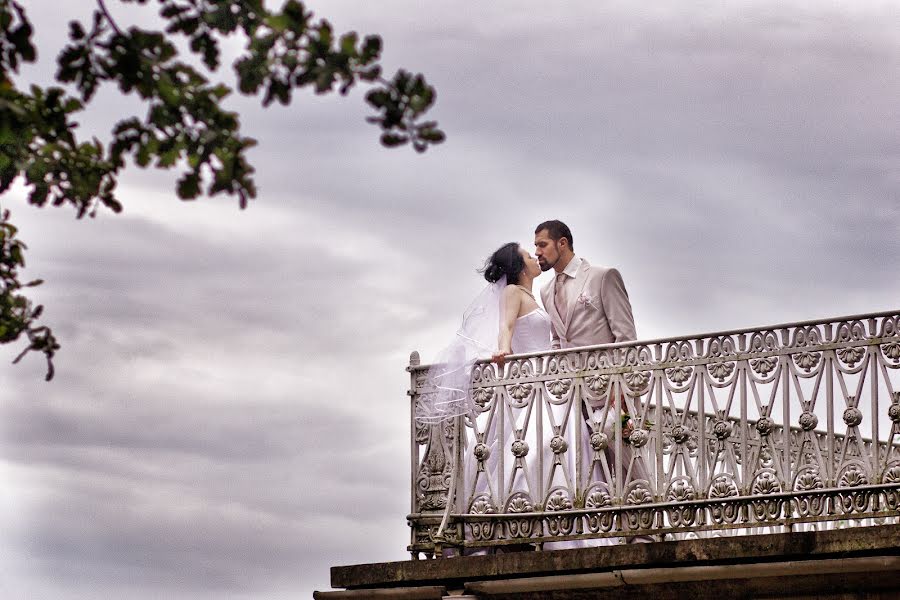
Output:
x=500 y=357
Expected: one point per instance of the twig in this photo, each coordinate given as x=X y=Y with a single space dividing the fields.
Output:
x=109 y=17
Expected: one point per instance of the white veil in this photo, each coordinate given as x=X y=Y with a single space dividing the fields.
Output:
x=449 y=377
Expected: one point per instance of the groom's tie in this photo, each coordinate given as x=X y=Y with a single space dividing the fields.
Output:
x=559 y=295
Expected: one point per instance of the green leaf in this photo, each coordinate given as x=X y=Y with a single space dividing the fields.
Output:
x=392 y=140
x=348 y=43
x=189 y=186
x=220 y=91
x=370 y=74
x=142 y=156
x=371 y=48
x=429 y=134
x=279 y=22
x=378 y=97
x=168 y=158
x=113 y=204
x=72 y=105
x=76 y=31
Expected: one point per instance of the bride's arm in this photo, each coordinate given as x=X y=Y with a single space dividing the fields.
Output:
x=512 y=303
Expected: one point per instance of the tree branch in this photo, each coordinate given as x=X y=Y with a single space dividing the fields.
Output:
x=108 y=16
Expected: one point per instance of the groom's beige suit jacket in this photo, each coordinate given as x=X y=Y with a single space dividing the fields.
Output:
x=597 y=312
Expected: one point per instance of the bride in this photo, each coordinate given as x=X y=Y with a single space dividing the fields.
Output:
x=524 y=326
x=503 y=319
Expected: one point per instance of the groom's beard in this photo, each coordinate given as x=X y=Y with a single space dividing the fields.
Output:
x=545 y=266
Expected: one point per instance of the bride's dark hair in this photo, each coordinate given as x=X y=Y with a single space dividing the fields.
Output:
x=505 y=261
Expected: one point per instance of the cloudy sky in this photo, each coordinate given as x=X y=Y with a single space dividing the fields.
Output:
x=229 y=416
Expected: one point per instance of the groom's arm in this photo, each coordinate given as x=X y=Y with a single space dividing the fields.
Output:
x=617 y=306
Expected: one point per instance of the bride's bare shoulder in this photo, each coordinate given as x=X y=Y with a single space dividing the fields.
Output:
x=511 y=291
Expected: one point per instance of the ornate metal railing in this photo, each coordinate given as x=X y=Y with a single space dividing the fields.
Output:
x=762 y=429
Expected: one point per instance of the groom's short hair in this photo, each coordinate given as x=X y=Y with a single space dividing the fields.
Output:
x=556 y=230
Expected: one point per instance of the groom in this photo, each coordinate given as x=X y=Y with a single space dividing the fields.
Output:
x=587 y=305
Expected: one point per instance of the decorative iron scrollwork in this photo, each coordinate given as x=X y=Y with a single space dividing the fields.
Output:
x=894 y=413
x=482 y=530
x=853 y=476
x=598 y=498
x=730 y=391
x=637 y=380
x=520 y=391
x=639 y=495
x=559 y=501
x=520 y=528
x=891 y=350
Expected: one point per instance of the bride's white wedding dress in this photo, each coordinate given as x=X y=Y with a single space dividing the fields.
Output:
x=496 y=427
x=538 y=474
x=503 y=481
x=532 y=332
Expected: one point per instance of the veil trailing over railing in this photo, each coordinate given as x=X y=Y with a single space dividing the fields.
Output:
x=448 y=380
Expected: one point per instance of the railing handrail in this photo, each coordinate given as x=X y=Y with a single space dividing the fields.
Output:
x=699 y=336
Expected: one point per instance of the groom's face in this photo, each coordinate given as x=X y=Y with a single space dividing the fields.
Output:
x=546 y=249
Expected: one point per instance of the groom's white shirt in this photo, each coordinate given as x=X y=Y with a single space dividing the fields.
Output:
x=597 y=309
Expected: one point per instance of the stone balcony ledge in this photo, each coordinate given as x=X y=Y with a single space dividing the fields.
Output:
x=856 y=562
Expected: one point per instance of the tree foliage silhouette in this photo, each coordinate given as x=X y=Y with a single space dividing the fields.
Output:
x=185 y=125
